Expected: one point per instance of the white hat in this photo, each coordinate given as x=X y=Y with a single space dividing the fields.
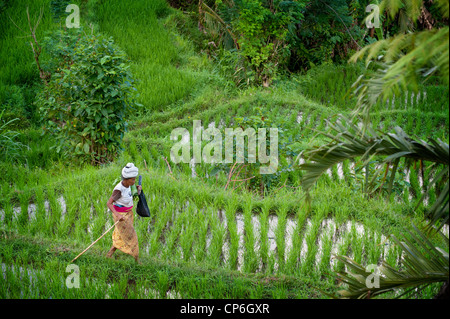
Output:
x=130 y=171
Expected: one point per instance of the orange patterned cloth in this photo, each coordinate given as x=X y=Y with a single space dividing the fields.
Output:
x=124 y=236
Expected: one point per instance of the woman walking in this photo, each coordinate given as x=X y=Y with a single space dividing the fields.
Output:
x=121 y=205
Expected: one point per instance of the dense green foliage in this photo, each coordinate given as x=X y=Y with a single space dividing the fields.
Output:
x=89 y=97
x=262 y=29
x=208 y=236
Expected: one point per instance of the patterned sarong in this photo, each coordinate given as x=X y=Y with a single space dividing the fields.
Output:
x=124 y=236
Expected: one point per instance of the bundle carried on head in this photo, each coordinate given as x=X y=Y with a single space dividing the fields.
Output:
x=129 y=171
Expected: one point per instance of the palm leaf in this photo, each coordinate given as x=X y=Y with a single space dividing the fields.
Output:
x=395 y=71
x=423 y=264
x=350 y=141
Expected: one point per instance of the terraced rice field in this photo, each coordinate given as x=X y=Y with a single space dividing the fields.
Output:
x=202 y=240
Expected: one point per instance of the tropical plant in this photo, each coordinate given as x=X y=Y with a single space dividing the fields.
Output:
x=424 y=264
x=258 y=29
x=88 y=98
x=402 y=62
x=350 y=141
x=246 y=167
x=329 y=32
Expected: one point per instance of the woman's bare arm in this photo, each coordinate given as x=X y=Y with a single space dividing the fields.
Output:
x=110 y=205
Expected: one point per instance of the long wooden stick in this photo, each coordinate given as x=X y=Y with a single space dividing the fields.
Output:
x=96 y=240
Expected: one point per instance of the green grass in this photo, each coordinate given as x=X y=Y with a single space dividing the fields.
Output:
x=17 y=61
x=156 y=54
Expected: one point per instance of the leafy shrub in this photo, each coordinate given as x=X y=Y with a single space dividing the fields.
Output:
x=262 y=27
x=88 y=97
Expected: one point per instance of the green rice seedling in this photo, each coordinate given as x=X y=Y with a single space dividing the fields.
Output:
x=195 y=288
x=82 y=221
x=161 y=231
x=312 y=120
x=264 y=229
x=334 y=173
x=98 y=224
x=357 y=244
x=183 y=286
x=370 y=246
x=327 y=244
x=303 y=119
x=321 y=122
x=40 y=211
x=291 y=124
x=141 y=225
x=155 y=62
x=294 y=257
x=217 y=230
x=6 y=254
x=202 y=223
x=399 y=119
x=308 y=264
x=16 y=56
x=230 y=214
x=342 y=250
x=162 y=284
x=429 y=126
x=154 y=201
x=431 y=196
x=202 y=197
x=72 y=196
x=280 y=236
x=346 y=171
x=54 y=217
x=132 y=150
x=118 y=288
x=156 y=156
x=187 y=233
x=23 y=218
x=341 y=214
x=219 y=290
x=409 y=129
x=393 y=254
x=8 y=211
x=387 y=122
x=250 y=256
x=13 y=282
x=146 y=155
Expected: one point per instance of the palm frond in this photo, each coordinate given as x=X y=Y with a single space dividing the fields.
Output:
x=423 y=264
x=350 y=141
x=396 y=71
x=411 y=7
